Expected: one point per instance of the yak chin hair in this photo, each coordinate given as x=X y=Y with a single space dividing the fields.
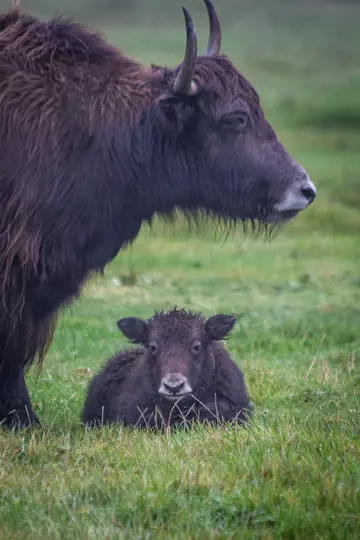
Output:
x=197 y=221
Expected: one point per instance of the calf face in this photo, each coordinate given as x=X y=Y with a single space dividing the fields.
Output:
x=177 y=343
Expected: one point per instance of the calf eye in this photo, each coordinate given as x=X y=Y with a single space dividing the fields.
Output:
x=153 y=347
x=196 y=347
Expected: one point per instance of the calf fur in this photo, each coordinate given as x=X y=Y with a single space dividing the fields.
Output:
x=181 y=373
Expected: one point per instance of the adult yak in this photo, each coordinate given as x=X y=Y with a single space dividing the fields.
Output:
x=92 y=143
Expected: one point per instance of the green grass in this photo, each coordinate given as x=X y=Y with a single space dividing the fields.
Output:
x=294 y=474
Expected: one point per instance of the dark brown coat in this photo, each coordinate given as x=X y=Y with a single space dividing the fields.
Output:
x=93 y=144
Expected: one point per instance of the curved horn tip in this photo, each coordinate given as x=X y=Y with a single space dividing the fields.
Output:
x=184 y=83
x=188 y=20
x=214 y=43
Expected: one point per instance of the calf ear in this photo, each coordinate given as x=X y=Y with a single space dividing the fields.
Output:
x=134 y=329
x=219 y=327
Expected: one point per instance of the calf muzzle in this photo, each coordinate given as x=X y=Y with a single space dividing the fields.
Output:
x=174 y=386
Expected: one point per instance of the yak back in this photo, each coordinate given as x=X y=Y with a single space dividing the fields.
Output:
x=112 y=381
x=118 y=369
x=75 y=65
x=228 y=379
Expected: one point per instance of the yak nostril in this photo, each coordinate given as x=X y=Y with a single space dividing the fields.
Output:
x=309 y=193
x=174 y=388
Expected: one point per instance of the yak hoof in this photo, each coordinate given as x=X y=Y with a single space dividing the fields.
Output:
x=22 y=419
x=15 y=404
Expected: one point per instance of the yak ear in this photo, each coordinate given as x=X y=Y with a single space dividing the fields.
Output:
x=219 y=327
x=134 y=329
x=177 y=110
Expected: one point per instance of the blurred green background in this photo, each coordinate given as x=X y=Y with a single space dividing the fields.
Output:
x=295 y=473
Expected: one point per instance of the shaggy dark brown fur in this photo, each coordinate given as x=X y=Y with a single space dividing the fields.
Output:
x=92 y=144
x=177 y=346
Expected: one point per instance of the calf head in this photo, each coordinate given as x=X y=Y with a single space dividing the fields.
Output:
x=177 y=345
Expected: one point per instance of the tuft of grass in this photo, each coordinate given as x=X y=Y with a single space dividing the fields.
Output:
x=294 y=473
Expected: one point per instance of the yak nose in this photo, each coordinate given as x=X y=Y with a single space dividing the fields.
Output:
x=174 y=385
x=309 y=192
x=297 y=197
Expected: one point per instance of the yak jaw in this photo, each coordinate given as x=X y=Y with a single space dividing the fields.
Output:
x=174 y=386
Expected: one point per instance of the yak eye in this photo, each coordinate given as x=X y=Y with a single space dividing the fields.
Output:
x=196 y=347
x=238 y=121
x=153 y=347
x=241 y=120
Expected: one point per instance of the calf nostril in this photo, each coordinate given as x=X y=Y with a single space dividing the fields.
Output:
x=309 y=193
x=174 y=388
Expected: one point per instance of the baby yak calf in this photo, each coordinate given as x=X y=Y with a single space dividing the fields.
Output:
x=180 y=373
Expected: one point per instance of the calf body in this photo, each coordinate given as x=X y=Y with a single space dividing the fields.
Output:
x=182 y=373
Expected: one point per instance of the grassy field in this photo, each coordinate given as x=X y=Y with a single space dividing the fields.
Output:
x=295 y=473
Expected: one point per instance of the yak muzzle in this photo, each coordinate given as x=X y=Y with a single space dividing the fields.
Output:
x=297 y=198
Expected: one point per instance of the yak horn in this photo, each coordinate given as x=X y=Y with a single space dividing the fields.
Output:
x=16 y=4
x=214 y=43
x=184 y=83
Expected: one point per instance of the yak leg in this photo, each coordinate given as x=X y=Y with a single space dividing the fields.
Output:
x=29 y=341
x=20 y=347
x=15 y=405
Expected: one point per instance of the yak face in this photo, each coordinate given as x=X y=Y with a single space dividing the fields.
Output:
x=221 y=152
x=177 y=345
